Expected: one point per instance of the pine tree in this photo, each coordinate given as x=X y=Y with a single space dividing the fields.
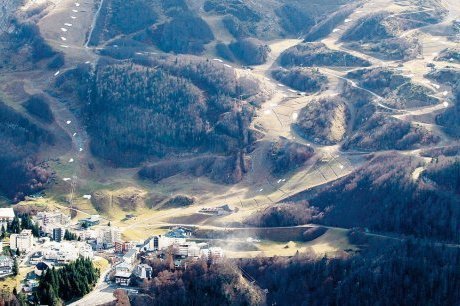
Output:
x=36 y=230
x=15 y=267
x=69 y=235
x=15 y=226
x=3 y=232
x=73 y=280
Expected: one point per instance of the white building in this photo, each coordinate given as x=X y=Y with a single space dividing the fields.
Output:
x=130 y=256
x=55 y=218
x=6 y=265
x=189 y=249
x=23 y=241
x=213 y=253
x=108 y=235
x=50 y=221
x=66 y=251
x=35 y=258
x=87 y=234
x=163 y=242
x=123 y=274
x=6 y=216
x=143 y=271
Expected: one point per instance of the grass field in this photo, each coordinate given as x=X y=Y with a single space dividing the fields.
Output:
x=11 y=282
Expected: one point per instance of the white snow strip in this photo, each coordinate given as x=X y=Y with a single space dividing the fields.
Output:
x=63 y=29
x=66 y=179
x=57 y=73
x=87 y=196
x=68 y=24
x=68 y=122
x=71 y=160
x=63 y=38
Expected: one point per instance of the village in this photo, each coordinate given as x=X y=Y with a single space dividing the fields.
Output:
x=54 y=240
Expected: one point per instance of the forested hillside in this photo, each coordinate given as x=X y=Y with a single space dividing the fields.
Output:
x=140 y=113
x=324 y=121
x=407 y=273
x=450 y=118
x=397 y=90
x=303 y=79
x=23 y=47
x=317 y=55
x=384 y=196
x=21 y=173
x=220 y=284
x=375 y=130
x=379 y=34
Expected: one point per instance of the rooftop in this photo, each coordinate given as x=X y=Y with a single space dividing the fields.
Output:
x=123 y=265
x=123 y=274
x=130 y=253
x=177 y=233
x=7 y=212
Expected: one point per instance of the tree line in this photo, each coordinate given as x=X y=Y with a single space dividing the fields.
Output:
x=74 y=280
